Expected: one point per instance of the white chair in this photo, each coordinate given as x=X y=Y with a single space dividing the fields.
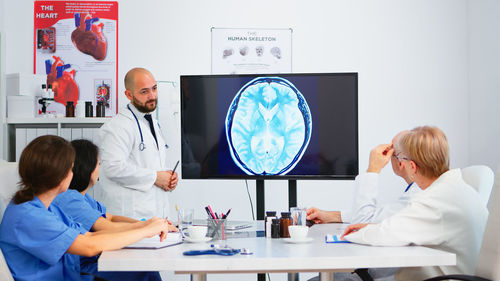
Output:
x=481 y=178
x=488 y=266
x=4 y=270
x=10 y=178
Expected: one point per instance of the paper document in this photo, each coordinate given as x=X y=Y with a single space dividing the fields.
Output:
x=335 y=238
x=173 y=238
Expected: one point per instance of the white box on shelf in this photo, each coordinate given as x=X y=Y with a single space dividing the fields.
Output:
x=20 y=106
x=24 y=84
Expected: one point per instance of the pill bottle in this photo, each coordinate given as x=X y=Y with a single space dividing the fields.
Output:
x=270 y=215
x=70 y=109
x=285 y=221
x=99 y=109
x=275 y=228
x=89 y=111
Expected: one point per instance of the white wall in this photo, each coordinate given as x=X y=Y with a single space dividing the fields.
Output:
x=3 y=107
x=484 y=95
x=411 y=57
x=414 y=60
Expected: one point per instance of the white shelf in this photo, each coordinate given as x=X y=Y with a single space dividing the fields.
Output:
x=55 y=120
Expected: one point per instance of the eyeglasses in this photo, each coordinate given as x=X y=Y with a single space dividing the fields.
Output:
x=400 y=158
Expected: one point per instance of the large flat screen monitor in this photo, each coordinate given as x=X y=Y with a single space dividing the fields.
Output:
x=272 y=126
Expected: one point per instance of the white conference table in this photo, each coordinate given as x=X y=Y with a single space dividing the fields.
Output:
x=275 y=255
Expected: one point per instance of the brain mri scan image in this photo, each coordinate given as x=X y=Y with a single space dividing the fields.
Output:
x=268 y=126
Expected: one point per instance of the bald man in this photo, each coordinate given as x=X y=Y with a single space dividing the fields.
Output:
x=365 y=207
x=135 y=172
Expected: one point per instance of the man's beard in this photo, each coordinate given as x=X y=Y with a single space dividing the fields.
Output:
x=145 y=108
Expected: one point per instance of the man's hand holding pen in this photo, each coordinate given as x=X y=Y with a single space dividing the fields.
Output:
x=167 y=180
x=173 y=178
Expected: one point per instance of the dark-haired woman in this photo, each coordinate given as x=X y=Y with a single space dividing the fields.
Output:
x=80 y=206
x=91 y=214
x=38 y=240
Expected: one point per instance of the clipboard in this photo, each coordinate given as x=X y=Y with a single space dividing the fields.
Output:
x=173 y=238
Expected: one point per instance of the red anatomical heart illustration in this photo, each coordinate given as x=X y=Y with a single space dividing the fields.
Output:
x=88 y=36
x=62 y=81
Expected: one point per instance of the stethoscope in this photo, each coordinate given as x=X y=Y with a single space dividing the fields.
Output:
x=142 y=146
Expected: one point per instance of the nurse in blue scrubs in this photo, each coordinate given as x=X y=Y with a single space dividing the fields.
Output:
x=39 y=241
x=91 y=214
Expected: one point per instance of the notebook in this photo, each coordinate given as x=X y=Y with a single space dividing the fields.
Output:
x=173 y=238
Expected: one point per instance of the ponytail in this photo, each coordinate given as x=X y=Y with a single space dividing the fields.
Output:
x=24 y=194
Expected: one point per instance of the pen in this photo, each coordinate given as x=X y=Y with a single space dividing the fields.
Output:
x=211 y=212
x=175 y=167
x=227 y=214
x=208 y=213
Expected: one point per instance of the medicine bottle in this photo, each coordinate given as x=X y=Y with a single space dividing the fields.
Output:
x=285 y=221
x=70 y=109
x=99 y=109
x=270 y=215
x=275 y=228
x=89 y=112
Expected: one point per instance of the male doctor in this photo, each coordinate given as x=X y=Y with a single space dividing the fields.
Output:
x=135 y=180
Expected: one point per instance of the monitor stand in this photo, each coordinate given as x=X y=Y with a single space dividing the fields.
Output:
x=261 y=212
x=260 y=194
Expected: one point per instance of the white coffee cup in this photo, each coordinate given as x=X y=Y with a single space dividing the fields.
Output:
x=298 y=232
x=197 y=232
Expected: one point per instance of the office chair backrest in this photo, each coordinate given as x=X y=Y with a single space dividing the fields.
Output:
x=481 y=178
x=4 y=270
x=9 y=177
x=489 y=257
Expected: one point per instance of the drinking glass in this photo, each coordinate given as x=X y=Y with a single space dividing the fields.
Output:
x=186 y=218
x=299 y=215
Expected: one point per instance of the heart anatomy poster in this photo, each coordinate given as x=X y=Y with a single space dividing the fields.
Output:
x=76 y=48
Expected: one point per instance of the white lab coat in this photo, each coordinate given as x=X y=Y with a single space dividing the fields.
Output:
x=365 y=206
x=126 y=182
x=448 y=215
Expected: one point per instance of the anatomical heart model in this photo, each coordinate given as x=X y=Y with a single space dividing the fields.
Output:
x=62 y=81
x=88 y=36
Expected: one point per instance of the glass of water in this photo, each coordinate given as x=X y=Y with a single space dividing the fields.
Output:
x=299 y=215
x=186 y=218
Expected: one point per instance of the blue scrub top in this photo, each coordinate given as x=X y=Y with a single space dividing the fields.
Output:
x=34 y=241
x=81 y=208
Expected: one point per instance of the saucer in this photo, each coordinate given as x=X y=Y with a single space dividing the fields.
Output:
x=305 y=240
x=202 y=240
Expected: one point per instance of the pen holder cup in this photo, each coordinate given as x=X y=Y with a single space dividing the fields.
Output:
x=216 y=229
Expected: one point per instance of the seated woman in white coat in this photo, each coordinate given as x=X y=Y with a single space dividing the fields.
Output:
x=39 y=241
x=447 y=214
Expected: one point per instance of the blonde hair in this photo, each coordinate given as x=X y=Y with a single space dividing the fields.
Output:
x=428 y=147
